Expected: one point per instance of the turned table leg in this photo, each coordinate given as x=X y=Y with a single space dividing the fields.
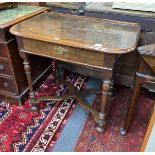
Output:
x=106 y=86
x=27 y=69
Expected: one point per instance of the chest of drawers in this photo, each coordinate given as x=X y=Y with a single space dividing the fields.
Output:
x=13 y=84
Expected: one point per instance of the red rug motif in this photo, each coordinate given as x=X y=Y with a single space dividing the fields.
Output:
x=111 y=140
x=23 y=130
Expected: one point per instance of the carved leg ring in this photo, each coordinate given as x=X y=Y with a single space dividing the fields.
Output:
x=100 y=125
x=112 y=88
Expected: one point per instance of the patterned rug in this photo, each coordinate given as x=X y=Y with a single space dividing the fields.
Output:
x=22 y=130
x=111 y=141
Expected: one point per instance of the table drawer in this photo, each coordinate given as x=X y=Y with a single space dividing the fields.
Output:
x=65 y=53
x=7 y=84
x=3 y=51
x=5 y=68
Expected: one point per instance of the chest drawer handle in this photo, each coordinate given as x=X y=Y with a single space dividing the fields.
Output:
x=60 y=50
x=5 y=84
x=1 y=67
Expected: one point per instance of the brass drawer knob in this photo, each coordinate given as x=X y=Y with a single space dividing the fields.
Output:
x=61 y=50
x=5 y=84
x=1 y=67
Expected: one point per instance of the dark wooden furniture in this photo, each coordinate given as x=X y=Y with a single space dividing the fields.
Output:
x=128 y=62
x=4 y=5
x=13 y=84
x=33 y=3
x=144 y=74
x=95 y=44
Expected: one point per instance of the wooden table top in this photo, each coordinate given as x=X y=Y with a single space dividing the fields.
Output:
x=83 y=32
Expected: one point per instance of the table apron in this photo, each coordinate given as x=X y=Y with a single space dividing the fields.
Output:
x=67 y=53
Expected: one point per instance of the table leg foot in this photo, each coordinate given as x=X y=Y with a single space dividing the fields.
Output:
x=100 y=124
x=100 y=129
x=33 y=102
x=33 y=108
x=123 y=131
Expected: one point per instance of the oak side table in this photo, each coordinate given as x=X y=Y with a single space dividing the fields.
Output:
x=93 y=43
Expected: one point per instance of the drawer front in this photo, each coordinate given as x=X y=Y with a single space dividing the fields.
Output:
x=65 y=53
x=7 y=84
x=4 y=67
x=3 y=51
